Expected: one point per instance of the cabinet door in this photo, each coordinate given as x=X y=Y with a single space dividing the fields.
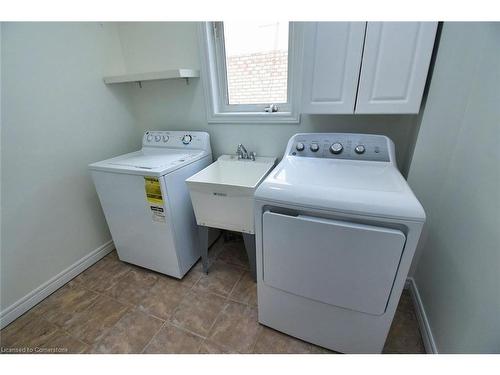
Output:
x=332 y=58
x=394 y=69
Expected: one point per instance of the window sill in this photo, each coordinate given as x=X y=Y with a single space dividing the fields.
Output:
x=252 y=118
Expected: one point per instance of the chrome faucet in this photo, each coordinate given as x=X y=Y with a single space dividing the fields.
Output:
x=242 y=153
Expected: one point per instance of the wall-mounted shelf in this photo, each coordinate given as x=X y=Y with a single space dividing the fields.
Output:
x=153 y=76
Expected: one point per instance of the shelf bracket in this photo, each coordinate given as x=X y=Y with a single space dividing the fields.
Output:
x=187 y=80
x=140 y=84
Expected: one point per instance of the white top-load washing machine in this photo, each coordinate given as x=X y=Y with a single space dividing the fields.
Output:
x=146 y=202
x=336 y=229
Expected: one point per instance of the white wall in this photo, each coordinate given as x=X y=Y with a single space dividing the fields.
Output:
x=171 y=105
x=455 y=173
x=57 y=117
x=1 y=126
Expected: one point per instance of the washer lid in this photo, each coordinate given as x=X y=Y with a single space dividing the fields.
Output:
x=145 y=161
x=149 y=161
x=361 y=187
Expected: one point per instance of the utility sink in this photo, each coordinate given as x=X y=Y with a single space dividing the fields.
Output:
x=223 y=193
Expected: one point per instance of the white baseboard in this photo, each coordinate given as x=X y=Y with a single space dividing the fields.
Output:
x=19 y=307
x=423 y=322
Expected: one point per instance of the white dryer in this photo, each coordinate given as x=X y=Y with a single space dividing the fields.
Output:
x=336 y=229
x=146 y=202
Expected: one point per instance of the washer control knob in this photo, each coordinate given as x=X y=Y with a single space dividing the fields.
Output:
x=360 y=149
x=165 y=138
x=187 y=139
x=300 y=146
x=314 y=147
x=157 y=138
x=336 y=148
x=149 y=138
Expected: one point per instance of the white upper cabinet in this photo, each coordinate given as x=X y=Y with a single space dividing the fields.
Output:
x=332 y=59
x=359 y=67
x=394 y=69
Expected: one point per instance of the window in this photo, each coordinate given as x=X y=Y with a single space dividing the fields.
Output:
x=256 y=59
x=249 y=71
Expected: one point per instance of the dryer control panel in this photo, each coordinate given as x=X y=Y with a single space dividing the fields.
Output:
x=176 y=139
x=349 y=146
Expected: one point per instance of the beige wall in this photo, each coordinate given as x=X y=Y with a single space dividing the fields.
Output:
x=57 y=117
x=455 y=173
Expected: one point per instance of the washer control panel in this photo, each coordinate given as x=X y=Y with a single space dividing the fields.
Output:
x=347 y=146
x=176 y=139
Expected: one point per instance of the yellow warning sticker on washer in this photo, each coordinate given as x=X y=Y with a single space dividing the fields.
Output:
x=153 y=190
x=155 y=199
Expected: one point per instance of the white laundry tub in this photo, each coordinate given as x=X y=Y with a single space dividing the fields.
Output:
x=223 y=193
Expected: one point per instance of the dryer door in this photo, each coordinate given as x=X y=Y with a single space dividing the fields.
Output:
x=339 y=263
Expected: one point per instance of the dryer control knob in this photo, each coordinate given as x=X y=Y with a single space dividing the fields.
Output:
x=360 y=149
x=187 y=139
x=149 y=138
x=165 y=138
x=157 y=138
x=300 y=146
x=336 y=148
x=314 y=147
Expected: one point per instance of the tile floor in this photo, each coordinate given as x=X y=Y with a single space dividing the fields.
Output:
x=114 y=307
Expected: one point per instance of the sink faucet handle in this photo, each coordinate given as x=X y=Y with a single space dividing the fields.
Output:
x=253 y=155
